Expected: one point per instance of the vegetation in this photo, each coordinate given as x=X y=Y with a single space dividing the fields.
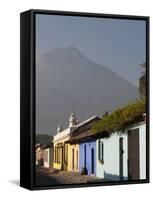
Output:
x=142 y=80
x=43 y=139
x=121 y=117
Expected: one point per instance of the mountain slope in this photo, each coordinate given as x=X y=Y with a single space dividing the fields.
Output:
x=67 y=81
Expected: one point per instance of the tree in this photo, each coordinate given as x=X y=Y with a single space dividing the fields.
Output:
x=105 y=113
x=142 y=81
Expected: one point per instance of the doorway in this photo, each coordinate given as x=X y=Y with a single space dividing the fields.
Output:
x=92 y=161
x=133 y=154
x=121 y=152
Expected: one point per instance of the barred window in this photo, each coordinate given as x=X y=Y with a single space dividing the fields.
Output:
x=100 y=151
x=66 y=153
x=57 y=154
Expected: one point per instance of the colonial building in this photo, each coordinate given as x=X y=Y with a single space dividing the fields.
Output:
x=111 y=156
x=73 y=164
x=66 y=148
x=61 y=148
x=122 y=155
x=82 y=154
x=39 y=152
x=48 y=155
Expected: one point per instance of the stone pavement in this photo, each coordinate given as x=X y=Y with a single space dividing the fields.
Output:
x=48 y=177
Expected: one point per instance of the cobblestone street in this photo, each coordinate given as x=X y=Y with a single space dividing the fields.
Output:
x=46 y=177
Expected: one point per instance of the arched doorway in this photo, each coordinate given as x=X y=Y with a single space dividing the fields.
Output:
x=92 y=161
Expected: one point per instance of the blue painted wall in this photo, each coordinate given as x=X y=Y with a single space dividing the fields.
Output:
x=89 y=146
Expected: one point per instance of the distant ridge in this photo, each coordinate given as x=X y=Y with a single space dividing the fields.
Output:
x=67 y=81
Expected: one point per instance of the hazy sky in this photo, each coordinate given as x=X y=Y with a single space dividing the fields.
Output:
x=118 y=44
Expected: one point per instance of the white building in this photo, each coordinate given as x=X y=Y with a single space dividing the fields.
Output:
x=122 y=156
x=48 y=155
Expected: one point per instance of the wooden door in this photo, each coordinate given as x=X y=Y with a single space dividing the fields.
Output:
x=92 y=161
x=133 y=154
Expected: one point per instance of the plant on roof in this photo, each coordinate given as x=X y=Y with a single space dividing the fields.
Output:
x=121 y=117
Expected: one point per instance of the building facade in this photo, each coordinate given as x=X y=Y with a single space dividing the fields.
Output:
x=73 y=164
x=39 y=155
x=66 y=144
x=122 y=155
x=111 y=156
x=82 y=156
x=48 y=155
x=87 y=159
x=61 y=148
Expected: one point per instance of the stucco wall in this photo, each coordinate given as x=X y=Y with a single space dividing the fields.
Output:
x=40 y=156
x=89 y=146
x=62 y=140
x=110 y=168
x=142 y=140
x=46 y=158
x=76 y=161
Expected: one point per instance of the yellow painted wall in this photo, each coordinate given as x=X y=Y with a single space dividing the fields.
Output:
x=55 y=164
x=70 y=159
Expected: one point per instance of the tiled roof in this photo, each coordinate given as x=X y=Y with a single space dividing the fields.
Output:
x=85 y=136
x=66 y=132
x=87 y=120
x=50 y=144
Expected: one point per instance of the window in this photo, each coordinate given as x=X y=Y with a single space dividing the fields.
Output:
x=101 y=151
x=54 y=154
x=58 y=154
x=66 y=153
